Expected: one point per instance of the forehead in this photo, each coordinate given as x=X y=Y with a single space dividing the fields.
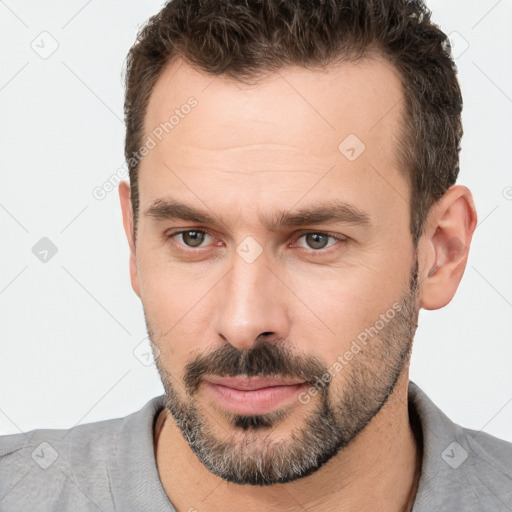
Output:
x=281 y=134
x=354 y=97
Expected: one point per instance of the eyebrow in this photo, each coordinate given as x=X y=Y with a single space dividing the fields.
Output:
x=330 y=212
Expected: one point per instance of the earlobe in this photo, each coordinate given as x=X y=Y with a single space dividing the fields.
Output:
x=127 y=211
x=445 y=245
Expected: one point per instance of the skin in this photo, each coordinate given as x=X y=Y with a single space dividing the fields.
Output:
x=243 y=153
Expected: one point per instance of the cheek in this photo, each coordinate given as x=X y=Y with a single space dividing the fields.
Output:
x=167 y=291
x=339 y=304
x=178 y=310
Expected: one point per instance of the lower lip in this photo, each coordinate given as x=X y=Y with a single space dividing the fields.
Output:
x=256 y=401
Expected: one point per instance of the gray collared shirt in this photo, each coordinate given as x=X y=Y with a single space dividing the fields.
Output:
x=110 y=466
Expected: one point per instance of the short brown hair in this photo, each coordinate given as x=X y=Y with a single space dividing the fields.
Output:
x=244 y=39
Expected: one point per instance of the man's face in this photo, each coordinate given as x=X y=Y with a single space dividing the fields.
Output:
x=244 y=294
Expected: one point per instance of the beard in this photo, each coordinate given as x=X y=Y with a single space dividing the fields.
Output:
x=251 y=455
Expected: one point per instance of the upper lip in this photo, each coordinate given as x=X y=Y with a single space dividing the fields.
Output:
x=250 y=383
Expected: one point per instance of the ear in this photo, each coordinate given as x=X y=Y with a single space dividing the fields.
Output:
x=126 y=208
x=444 y=246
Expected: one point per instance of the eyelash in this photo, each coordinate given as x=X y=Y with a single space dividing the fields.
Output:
x=311 y=252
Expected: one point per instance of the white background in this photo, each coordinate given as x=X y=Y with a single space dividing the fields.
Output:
x=69 y=326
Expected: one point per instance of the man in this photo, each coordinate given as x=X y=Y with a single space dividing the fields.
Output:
x=292 y=204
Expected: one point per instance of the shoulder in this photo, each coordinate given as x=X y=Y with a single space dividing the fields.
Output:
x=462 y=469
x=489 y=464
x=479 y=466
x=87 y=467
x=57 y=467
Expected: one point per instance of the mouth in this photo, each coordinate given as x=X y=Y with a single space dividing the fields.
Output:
x=253 y=395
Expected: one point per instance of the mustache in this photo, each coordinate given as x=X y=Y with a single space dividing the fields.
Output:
x=264 y=359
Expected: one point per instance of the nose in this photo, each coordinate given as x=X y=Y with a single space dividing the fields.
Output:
x=251 y=303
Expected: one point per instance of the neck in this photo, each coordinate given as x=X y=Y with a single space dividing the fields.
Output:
x=380 y=469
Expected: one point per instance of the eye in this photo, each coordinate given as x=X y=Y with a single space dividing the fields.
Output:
x=191 y=238
x=318 y=241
